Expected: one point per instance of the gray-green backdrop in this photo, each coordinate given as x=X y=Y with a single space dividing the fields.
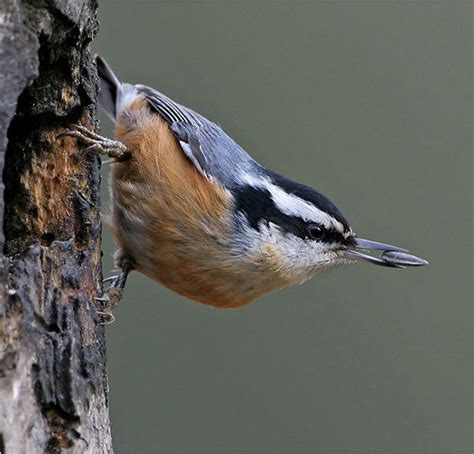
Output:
x=370 y=102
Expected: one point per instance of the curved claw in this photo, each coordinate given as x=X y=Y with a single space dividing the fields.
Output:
x=110 y=278
x=113 y=295
x=104 y=298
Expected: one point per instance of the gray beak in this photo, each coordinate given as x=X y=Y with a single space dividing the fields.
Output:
x=392 y=256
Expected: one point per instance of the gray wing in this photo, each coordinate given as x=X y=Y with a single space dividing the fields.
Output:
x=207 y=146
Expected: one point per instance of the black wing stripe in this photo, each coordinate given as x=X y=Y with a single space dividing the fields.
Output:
x=174 y=112
x=168 y=109
x=165 y=110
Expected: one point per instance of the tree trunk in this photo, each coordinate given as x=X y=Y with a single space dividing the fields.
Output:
x=53 y=384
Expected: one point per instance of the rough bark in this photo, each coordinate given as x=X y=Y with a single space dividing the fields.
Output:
x=53 y=384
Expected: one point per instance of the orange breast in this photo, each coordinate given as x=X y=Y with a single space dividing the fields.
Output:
x=171 y=221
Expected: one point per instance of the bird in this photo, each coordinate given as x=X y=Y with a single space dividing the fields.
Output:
x=191 y=209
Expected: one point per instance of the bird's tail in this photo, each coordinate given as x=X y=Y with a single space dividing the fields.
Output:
x=110 y=87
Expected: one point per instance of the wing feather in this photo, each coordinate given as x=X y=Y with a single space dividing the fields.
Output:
x=169 y=110
x=205 y=144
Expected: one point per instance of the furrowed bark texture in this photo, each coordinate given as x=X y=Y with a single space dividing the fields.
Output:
x=53 y=384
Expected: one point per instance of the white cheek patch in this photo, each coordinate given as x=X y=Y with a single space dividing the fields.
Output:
x=299 y=260
x=302 y=258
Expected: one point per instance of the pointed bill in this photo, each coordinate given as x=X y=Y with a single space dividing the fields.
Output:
x=360 y=243
x=392 y=256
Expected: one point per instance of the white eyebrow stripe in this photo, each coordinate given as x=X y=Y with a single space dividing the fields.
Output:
x=260 y=182
x=293 y=205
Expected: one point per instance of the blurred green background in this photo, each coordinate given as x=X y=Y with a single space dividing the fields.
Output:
x=370 y=102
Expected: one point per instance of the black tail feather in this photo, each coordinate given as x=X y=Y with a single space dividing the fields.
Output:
x=109 y=87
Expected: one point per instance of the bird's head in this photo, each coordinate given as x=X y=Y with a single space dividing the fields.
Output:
x=302 y=231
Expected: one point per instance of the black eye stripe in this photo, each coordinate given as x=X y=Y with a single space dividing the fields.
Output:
x=257 y=205
x=333 y=236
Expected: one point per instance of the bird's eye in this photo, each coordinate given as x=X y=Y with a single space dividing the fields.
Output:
x=315 y=231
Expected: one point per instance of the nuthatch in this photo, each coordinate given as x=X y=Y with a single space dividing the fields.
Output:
x=192 y=210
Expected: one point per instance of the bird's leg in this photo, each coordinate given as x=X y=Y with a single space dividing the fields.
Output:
x=113 y=295
x=97 y=143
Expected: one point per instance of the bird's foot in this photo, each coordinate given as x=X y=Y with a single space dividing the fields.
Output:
x=97 y=143
x=113 y=295
x=111 y=298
